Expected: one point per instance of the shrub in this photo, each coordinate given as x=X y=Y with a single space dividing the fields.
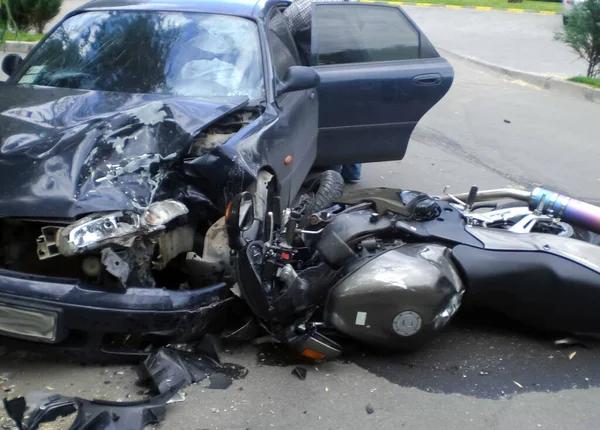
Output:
x=25 y=15
x=582 y=34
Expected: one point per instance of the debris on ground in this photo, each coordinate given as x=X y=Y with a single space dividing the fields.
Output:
x=166 y=371
x=168 y=367
x=571 y=355
x=42 y=407
x=370 y=409
x=571 y=341
x=300 y=372
x=517 y=384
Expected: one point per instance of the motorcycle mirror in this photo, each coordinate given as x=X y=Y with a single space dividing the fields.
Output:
x=239 y=218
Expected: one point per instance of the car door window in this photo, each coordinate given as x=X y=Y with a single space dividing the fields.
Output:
x=281 y=44
x=345 y=33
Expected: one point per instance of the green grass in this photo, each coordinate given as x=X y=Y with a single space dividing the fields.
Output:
x=539 y=6
x=23 y=37
x=593 y=82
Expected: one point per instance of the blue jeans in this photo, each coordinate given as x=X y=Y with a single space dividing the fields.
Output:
x=350 y=172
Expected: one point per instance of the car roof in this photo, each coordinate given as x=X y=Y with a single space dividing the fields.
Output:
x=230 y=7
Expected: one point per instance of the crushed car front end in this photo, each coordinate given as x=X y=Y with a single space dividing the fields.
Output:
x=114 y=178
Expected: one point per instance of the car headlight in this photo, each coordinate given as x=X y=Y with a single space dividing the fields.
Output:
x=118 y=228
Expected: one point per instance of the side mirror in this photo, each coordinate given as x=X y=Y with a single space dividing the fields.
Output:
x=299 y=78
x=11 y=63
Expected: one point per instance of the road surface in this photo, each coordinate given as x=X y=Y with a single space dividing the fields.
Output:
x=479 y=374
x=522 y=41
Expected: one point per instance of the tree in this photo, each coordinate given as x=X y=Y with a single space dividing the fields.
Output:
x=25 y=15
x=582 y=34
x=40 y=12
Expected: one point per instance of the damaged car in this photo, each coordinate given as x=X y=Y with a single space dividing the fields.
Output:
x=130 y=128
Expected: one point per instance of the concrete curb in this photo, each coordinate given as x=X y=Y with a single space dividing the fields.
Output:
x=17 y=47
x=547 y=82
x=451 y=6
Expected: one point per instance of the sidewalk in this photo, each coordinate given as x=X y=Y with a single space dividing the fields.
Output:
x=520 y=41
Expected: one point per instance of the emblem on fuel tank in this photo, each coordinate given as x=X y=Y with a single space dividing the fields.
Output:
x=407 y=323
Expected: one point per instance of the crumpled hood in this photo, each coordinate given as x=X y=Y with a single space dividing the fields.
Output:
x=65 y=153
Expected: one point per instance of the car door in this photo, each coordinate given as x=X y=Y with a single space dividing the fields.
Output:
x=379 y=76
x=298 y=113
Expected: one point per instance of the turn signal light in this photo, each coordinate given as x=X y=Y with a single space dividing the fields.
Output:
x=313 y=354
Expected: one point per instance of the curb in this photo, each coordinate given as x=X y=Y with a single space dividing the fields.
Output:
x=546 y=82
x=451 y=6
x=17 y=47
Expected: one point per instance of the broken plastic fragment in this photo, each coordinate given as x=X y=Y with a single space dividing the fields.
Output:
x=300 y=372
x=115 y=265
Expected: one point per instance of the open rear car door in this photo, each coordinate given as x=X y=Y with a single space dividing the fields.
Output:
x=379 y=76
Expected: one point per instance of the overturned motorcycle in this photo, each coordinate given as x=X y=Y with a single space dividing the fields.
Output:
x=391 y=267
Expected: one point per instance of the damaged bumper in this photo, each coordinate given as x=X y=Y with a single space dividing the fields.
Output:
x=59 y=311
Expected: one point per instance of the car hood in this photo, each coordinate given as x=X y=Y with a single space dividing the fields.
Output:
x=65 y=153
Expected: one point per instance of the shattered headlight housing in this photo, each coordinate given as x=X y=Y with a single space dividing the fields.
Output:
x=98 y=230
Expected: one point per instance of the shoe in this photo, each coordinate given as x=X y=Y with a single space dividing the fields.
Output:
x=353 y=181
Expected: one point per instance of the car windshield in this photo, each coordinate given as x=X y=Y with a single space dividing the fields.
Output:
x=186 y=54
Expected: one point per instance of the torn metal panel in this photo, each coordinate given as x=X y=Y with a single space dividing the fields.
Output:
x=65 y=153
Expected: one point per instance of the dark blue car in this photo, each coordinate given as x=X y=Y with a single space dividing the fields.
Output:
x=126 y=133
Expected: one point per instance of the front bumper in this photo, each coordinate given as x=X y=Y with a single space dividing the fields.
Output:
x=85 y=313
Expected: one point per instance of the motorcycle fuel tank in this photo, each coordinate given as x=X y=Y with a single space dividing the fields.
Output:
x=400 y=299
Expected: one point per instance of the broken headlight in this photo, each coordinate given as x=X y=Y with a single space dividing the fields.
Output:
x=98 y=230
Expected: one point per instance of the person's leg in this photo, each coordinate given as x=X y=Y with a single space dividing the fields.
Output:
x=351 y=173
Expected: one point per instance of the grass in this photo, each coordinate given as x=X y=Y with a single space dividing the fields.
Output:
x=23 y=37
x=539 y=6
x=593 y=82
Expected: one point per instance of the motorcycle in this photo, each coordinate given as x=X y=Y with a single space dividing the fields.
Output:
x=391 y=267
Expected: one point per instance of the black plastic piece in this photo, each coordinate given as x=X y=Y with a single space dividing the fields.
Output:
x=345 y=229
x=169 y=367
x=91 y=415
x=542 y=290
x=248 y=268
x=300 y=372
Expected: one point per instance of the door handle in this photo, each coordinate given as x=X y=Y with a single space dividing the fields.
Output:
x=428 y=80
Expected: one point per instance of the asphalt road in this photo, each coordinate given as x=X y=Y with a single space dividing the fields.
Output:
x=482 y=373
x=522 y=41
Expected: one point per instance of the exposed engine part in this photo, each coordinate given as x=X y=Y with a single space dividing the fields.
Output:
x=215 y=264
x=115 y=265
x=173 y=243
x=221 y=132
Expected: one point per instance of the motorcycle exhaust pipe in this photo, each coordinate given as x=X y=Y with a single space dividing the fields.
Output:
x=569 y=210
x=565 y=208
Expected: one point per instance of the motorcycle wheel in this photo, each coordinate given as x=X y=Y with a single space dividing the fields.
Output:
x=322 y=193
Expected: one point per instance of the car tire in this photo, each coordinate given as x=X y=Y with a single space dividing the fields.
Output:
x=327 y=189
